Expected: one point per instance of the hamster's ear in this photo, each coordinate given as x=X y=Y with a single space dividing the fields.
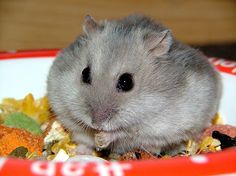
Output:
x=158 y=44
x=90 y=26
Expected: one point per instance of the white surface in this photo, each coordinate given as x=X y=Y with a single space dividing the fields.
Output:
x=85 y=159
x=61 y=156
x=228 y=101
x=19 y=77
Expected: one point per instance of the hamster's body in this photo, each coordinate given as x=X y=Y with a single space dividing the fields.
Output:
x=173 y=91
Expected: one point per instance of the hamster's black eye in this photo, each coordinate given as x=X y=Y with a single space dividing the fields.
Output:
x=125 y=82
x=86 y=75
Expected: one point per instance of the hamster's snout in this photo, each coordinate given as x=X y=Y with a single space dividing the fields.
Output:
x=100 y=115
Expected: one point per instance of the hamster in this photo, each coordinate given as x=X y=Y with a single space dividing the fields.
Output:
x=129 y=84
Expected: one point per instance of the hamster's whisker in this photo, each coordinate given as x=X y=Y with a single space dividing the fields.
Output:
x=83 y=125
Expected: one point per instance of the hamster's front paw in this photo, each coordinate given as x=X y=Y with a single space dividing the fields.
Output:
x=102 y=140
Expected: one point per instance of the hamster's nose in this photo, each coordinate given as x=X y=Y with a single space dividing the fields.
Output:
x=100 y=115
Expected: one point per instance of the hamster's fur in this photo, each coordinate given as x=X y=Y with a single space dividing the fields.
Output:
x=175 y=95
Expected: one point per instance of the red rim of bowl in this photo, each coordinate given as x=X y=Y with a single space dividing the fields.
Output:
x=28 y=54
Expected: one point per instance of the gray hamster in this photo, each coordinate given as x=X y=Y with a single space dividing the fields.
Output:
x=129 y=84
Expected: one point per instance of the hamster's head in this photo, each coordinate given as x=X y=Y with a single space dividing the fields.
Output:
x=107 y=79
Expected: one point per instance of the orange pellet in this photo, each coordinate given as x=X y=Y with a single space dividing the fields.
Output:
x=11 y=138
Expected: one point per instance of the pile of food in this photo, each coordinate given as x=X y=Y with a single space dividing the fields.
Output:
x=28 y=129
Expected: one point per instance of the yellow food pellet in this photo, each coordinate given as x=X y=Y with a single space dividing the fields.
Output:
x=36 y=109
x=217 y=120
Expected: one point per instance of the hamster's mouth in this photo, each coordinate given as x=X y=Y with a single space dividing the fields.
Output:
x=103 y=127
x=99 y=127
x=92 y=126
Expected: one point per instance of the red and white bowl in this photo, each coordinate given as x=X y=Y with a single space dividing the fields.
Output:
x=26 y=71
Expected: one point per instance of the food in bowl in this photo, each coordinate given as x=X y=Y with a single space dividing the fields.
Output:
x=49 y=140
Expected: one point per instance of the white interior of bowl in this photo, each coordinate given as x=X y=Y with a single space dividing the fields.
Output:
x=18 y=77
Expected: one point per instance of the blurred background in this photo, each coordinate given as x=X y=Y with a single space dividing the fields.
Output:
x=45 y=24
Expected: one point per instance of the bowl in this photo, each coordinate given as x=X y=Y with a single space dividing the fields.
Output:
x=22 y=72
